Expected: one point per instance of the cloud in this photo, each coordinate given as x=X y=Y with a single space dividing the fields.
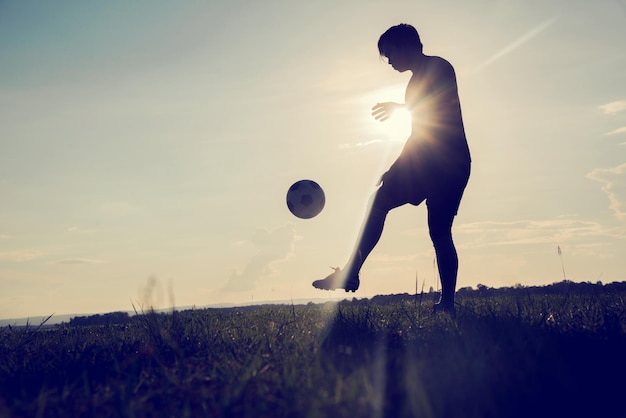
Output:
x=78 y=261
x=584 y=235
x=273 y=246
x=612 y=182
x=19 y=256
x=617 y=131
x=614 y=107
x=361 y=144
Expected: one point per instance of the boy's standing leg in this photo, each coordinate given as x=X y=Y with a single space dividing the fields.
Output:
x=447 y=262
x=442 y=209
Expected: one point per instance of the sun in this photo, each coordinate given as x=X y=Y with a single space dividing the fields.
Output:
x=395 y=129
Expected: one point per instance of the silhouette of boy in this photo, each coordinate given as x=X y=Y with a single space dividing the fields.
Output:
x=434 y=165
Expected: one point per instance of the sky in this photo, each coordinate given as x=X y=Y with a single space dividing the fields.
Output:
x=146 y=148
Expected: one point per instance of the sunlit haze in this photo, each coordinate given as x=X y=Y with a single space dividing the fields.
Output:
x=146 y=148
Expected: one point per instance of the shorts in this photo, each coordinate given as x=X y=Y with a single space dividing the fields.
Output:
x=442 y=190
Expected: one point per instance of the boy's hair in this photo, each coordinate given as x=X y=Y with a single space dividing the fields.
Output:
x=402 y=36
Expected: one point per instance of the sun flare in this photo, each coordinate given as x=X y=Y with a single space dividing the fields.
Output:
x=398 y=126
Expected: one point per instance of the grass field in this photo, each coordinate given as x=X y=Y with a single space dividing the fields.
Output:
x=555 y=351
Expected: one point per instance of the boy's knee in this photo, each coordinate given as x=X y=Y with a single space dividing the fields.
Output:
x=440 y=225
x=381 y=201
x=442 y=241
x=440 y=233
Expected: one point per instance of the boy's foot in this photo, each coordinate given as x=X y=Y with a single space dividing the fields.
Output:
x=338 y=280
x=444 y=307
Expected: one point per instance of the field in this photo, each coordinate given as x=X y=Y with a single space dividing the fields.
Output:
x=554 y=351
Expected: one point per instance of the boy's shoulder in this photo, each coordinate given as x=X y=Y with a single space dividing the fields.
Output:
x=439 y=63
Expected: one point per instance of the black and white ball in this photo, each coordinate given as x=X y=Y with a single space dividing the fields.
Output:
x=305 y=199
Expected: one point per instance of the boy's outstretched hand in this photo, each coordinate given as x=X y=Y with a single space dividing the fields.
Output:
x=383 y=111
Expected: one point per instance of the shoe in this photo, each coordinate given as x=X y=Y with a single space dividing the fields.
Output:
x=447 y=308
x=337 y=280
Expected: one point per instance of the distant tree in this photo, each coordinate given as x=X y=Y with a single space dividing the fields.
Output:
x=105 y=319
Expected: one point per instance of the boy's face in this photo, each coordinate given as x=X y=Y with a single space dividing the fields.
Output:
x=398 y=58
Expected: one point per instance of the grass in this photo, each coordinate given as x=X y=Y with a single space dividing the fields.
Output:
x=552 y=351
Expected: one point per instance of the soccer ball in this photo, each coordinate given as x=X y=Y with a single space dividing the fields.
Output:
x=305 y=199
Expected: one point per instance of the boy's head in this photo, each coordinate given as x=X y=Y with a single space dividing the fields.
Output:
x=402 y=37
